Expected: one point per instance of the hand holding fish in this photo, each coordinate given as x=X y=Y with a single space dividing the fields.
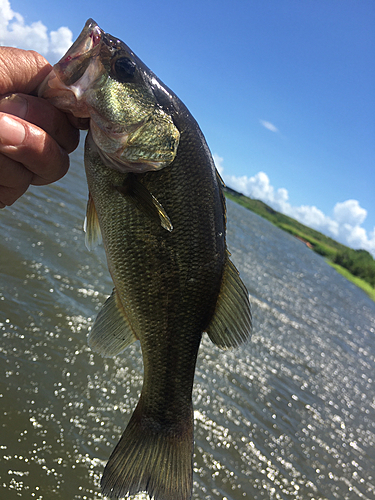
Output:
x=35 y=137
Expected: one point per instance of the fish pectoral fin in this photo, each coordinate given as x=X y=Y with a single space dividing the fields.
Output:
x=145 y=201
x=164 y=219
x=111 y=332
x=91 y=226
x=230 y=325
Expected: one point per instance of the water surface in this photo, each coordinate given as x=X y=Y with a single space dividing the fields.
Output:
x=290 y=415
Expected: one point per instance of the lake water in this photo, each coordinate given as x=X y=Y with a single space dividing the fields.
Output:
x=290 y=415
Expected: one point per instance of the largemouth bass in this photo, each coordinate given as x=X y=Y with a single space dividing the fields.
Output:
x=156 y=201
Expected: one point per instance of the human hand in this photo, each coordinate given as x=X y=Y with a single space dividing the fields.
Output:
x=35 y=137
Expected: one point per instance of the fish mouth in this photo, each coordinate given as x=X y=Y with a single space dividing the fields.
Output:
x=74 y=63
x=76 y=71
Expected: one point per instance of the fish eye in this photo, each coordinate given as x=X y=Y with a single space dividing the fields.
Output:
x=123 y=69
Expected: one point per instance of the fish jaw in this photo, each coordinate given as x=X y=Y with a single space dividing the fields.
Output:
x=72 y=77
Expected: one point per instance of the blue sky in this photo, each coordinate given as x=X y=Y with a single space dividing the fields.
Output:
x=284 y=91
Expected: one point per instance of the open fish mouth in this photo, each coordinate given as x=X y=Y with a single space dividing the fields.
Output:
x=74 y=63
x=75 y=73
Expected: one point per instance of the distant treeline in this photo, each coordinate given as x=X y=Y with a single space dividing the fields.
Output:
x=359 y=263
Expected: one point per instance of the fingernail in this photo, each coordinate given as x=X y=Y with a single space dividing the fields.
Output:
x=14 y=105
x=12 y=132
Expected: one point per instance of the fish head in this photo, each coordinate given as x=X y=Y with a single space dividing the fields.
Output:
x=100 y=78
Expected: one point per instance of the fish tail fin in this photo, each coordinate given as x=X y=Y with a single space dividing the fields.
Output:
x=151 y=458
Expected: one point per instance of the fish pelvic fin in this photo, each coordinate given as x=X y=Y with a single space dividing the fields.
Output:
x=91 y=226
x=111 y=332
x=152 y=459
x=230 y=325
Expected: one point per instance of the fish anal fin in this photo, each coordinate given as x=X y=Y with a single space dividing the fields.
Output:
x=150 y=458
x=91 y=225
x=145 y=201
x=111 y=332
x=230 y=325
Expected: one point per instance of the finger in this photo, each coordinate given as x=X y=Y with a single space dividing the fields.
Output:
x=43 y=114
x=31 y=146
x=21 y=70
x=80 y=123
x=14 y=180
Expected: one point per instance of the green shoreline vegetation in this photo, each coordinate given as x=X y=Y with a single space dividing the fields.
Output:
x=358 y=266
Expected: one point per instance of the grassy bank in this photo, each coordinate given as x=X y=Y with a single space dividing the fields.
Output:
x=354 y=279
x=358 y=266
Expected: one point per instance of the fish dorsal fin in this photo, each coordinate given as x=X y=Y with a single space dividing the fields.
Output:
x=145 y=201
x=231 y=322
x=222 y=195
x=220 y=179
x=111 y=332
x=91 y=226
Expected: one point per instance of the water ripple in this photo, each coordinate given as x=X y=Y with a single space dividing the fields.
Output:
x=289 y=415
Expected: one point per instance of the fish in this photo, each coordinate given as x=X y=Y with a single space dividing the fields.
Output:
x=156 y=202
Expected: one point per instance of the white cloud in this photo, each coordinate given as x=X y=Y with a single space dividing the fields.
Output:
x=345 y=224
x=259 y=187
x=350 y=212
x=269 y=126
x=14 y=32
